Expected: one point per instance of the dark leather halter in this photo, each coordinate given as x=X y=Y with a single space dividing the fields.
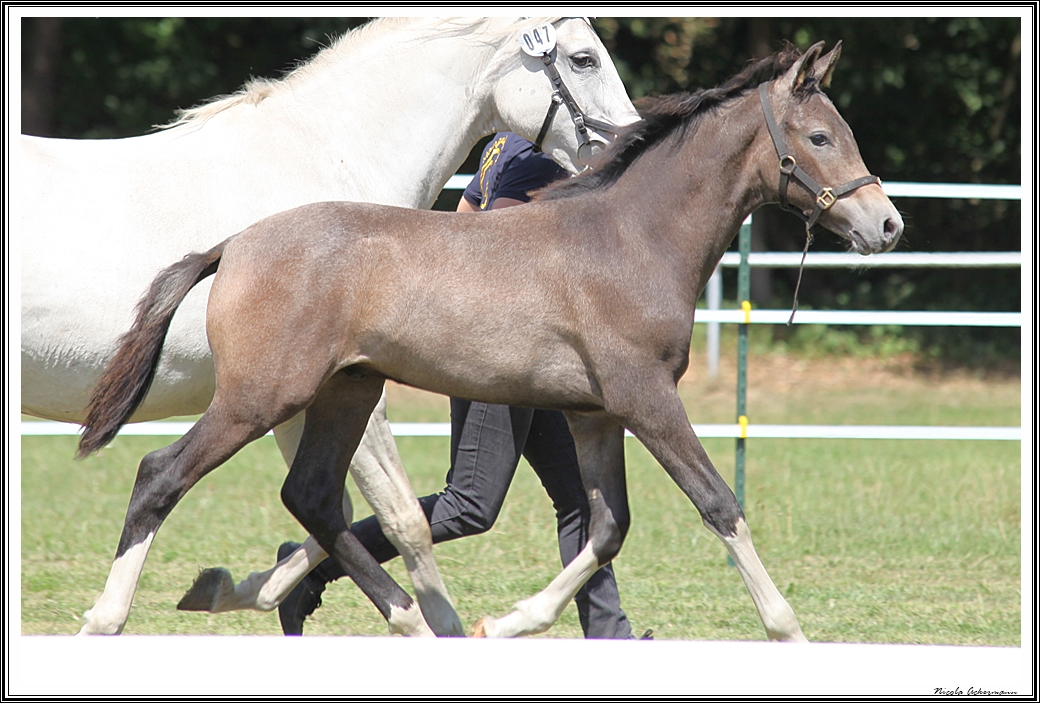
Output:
x=563 y=96
x=823 y=198
x=790 y=170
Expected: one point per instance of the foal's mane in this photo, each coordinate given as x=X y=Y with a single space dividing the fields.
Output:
x=256 y=90
x=665 y=115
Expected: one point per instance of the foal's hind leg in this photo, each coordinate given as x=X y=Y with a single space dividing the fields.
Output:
x=313 y=492
x=163 y=478
x=662 y=426
x=599 y=442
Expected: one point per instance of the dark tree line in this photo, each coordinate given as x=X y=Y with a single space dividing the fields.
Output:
x=930 y=99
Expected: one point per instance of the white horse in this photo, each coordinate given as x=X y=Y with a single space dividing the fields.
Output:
x=386 y=114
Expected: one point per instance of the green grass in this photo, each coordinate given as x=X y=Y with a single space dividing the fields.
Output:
x=871 y=541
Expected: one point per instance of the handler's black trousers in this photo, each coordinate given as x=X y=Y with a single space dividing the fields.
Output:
x=486 y=444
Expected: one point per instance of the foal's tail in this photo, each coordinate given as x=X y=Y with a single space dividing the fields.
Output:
x=126 y=379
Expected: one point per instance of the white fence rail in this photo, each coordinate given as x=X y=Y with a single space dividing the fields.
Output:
x=753 y=431
x=790 y=259
x=907 y=318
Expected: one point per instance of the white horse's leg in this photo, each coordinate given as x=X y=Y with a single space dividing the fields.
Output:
x=215 y=591
x=380 y=476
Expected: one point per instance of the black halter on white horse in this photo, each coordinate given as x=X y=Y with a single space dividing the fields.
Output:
x=541 y=42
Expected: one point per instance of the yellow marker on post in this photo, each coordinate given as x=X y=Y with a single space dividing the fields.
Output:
x=743 y=426
x=746 y=307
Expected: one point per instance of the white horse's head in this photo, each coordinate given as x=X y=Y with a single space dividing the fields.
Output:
x=577 y=57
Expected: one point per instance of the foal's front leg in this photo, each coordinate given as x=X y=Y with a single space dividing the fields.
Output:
x=662 y=426
x=599 y=442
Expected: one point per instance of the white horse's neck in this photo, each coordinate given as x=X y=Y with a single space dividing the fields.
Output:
x=358 y=147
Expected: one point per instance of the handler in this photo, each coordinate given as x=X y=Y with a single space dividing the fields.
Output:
x=487 y=442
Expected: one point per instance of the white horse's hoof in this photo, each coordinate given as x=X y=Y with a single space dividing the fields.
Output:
x=209 y=587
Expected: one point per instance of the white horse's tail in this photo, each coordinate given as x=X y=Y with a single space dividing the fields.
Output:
x=125 y=381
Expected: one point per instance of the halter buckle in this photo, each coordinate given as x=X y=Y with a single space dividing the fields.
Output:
x=826 y=198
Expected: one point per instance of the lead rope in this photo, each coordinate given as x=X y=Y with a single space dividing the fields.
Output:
x=801 y=267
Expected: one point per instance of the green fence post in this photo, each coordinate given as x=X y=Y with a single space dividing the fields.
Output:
x=743 y=296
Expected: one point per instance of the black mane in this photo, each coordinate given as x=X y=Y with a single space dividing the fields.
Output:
x=665 y=115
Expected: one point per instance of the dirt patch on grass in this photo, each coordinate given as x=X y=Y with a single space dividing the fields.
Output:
x=781 y=373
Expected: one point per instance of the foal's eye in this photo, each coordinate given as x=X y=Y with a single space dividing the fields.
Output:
x=819 y=140
x=583 y=60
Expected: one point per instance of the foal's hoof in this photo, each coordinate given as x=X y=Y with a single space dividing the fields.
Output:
x=208 y=588
x=478 y=629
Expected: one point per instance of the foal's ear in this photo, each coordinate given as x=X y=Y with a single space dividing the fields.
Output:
x=823 y=68
x=803 y=69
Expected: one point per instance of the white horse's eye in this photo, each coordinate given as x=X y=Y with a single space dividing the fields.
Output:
x=583 y=61
x=819 y=139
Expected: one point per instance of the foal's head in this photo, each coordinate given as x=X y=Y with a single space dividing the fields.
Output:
x=819 y=144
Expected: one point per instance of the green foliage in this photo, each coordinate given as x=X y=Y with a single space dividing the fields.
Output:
x=121 y=76
x=656 y=54
x=814 y=341
x=930 y=99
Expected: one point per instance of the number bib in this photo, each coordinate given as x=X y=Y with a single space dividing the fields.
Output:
x=538 y=40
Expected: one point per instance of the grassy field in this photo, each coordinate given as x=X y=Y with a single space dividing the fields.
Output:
x=870 y=541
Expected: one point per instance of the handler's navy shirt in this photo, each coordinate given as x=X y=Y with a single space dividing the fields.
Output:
x=509 y=168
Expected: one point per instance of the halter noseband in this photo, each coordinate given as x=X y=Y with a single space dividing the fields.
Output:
x=562 y=95
x=823 y=198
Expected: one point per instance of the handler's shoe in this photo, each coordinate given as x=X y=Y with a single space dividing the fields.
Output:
x=302 y=601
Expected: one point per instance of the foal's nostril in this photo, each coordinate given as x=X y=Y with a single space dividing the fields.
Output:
x=893 y=228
